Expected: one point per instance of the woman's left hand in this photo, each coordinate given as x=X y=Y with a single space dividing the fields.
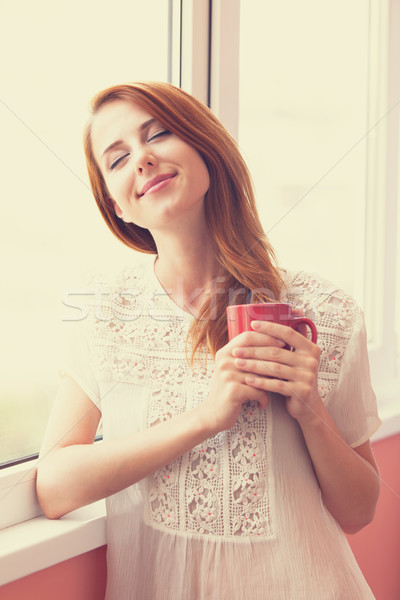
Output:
x=294 y=374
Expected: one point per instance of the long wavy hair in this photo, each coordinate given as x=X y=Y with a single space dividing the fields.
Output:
x=248 y=269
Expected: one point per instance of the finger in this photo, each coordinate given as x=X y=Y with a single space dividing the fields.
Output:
x=265 y=369
x=253 y=338
x=276 y=355
x=268 y=353
x=257 y=395
x=298 y=390
x=292 y=337
x=259 y=338
x=302 y=329
x=277 y=386
x=305 y=371
x=264 y=401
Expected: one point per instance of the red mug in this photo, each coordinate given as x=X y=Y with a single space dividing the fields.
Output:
x=240 y=316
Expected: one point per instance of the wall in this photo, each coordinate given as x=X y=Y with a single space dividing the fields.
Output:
x=377 y=549
x=80 y=578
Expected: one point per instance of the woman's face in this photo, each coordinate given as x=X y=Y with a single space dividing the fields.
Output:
x=154 y=178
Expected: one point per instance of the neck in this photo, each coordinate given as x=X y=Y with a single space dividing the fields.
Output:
x=186 y=267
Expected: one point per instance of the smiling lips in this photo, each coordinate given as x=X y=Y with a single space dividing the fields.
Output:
x=155 y=183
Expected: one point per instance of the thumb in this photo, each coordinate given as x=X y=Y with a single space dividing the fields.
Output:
x=302 y=328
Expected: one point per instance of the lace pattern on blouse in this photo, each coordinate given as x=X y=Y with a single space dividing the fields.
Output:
x=334 y=313
x=221 y=487
x=224 y=486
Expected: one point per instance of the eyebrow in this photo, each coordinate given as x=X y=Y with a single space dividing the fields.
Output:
x=118 y=142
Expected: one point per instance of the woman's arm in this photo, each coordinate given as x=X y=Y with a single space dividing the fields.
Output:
x=348 y=477
x=72 y=471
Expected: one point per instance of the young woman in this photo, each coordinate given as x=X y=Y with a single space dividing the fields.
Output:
x=231 y=469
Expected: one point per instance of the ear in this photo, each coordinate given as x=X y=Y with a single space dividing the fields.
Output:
x=117 y=209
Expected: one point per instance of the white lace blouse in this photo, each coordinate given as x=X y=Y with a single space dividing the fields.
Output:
x=240 y=516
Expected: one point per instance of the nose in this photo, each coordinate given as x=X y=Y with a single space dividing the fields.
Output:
x=145 y=160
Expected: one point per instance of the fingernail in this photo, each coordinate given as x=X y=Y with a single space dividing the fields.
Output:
x=237 y=352
x=240 y=362
x=256 y=324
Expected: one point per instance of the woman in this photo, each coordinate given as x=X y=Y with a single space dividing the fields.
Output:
x=231 y=469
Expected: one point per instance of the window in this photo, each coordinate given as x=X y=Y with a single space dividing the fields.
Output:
x=319 y=96
x=58 y=55
x=302 y=126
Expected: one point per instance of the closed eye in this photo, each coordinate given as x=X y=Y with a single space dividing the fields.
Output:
x=164 y=132
x=116 y=162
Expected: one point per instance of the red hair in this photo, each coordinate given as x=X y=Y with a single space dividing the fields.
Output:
x=246 y=257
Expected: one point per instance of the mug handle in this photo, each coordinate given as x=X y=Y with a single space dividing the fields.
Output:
x=299 y=320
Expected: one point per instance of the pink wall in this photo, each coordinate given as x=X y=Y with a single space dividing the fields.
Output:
x=80 y=578
x=377 y=549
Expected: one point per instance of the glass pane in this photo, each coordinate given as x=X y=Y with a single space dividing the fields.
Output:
x=56 y=55
x=302 y=128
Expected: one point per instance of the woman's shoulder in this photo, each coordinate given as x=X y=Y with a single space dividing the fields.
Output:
x=336 y=315
x=312 y=284
x=116 y=291
x=120 y=277
x=320 y=299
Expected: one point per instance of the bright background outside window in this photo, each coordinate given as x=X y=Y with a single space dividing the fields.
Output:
x=56 y=56
x=303 y=119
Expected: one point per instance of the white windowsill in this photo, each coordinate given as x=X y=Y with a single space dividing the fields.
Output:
x=390 y=422
x=39 y=543
x=389 y=409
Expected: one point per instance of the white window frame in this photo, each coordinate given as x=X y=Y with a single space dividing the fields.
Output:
x=224 y=76
x=205 y=58
x=382 y=271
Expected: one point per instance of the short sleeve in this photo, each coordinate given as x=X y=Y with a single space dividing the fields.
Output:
x=352 y=404
x=77 y=363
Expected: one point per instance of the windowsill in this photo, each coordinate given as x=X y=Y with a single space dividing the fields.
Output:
x=390 y=423
x=389 y=409
x=39 y=543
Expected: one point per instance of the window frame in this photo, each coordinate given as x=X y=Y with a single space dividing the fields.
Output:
x=383 y=199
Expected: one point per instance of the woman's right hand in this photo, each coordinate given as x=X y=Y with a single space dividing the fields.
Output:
x=229 y=390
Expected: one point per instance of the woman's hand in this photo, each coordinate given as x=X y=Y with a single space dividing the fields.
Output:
x=347 y=477
x=229 y=389
x=271 y=368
